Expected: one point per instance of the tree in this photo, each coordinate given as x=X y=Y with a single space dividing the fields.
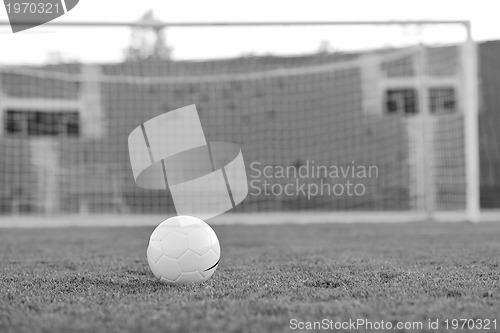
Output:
x=147 y=42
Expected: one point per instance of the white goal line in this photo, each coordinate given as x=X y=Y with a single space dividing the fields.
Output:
x=272 y=218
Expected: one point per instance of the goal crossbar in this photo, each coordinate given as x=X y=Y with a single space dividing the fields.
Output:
x=160 y=25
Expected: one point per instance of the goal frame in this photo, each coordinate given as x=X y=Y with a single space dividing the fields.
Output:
x=471 y=132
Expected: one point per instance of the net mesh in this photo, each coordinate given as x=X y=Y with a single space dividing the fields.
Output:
x=378 y=130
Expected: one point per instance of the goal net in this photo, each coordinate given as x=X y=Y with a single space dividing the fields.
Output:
x=375 y=123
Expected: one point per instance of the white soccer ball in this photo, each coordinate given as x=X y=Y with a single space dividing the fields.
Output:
x=183 y=249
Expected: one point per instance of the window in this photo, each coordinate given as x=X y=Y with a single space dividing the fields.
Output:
x=42 y=123
x=401 y=101
x=442 y=100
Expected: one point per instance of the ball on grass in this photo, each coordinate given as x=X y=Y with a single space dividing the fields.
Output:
x=183 y=249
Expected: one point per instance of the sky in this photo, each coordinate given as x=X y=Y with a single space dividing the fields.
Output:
x=48 y=44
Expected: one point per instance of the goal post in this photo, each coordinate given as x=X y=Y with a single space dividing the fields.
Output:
x=472 y=127
x=379 y=124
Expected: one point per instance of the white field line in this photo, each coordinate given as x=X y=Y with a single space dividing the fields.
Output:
x=240 y=218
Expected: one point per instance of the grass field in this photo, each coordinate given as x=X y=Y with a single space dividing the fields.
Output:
x=98 y=280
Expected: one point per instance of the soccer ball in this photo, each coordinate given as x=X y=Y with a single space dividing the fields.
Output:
x=183 y=249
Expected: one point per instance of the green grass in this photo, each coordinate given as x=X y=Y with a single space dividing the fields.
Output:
x=98 y=279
